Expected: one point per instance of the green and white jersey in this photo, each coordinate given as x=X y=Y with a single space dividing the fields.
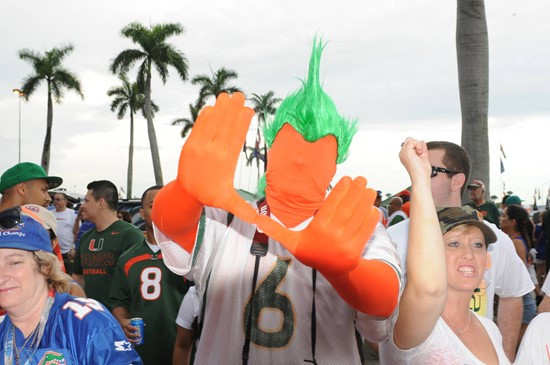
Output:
x=146 y=288
x=98 y=254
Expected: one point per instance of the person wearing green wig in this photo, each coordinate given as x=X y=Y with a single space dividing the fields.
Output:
x=312 y=113
x=291 y=277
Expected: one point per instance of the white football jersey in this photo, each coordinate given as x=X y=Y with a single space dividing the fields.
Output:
x=282 y=305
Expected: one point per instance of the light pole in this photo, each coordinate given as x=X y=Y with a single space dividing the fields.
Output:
x=20 y=94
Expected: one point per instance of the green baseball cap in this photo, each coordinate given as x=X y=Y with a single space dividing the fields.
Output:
x=451 y=217
x=26 y=171
x=513 y=200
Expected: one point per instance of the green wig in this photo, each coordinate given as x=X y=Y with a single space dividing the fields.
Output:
x=312 y=112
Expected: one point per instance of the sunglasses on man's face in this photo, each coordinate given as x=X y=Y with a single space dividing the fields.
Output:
x=10 y=218
x=436 y=170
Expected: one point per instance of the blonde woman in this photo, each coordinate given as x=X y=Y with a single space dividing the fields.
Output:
x=43 y=323
x=446 y=262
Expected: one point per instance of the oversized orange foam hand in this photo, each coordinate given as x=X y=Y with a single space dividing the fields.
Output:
x=334 y=241
x=210 y=154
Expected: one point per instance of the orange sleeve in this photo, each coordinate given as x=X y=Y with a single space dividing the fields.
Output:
x=57 y=252
x=372 y=287
x=176 y=213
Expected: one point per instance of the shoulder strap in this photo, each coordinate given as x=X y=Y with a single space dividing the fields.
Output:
x=258 y=249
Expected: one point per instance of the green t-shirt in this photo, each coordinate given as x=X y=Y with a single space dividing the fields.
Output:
x=489 y=211
x=98 y=254
x=148 y=289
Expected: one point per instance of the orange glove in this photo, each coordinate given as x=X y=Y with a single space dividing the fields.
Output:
x=334 y=241
x=177 y=214
x=206 y=171
x=210 y=155
x=372 y=287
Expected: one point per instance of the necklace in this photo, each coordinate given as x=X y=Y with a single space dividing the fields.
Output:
x=458 y=331
x=18 y=352
x=25 y=353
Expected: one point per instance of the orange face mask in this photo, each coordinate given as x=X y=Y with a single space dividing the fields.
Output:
x=298 y=175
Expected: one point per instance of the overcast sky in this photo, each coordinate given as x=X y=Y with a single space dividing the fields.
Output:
x=391 y=65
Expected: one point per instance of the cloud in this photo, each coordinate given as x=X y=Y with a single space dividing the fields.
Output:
x=390 y=65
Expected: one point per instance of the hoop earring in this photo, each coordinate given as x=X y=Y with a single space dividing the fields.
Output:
x=488 y=279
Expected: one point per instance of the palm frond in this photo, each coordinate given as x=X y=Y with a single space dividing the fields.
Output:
x=142 y=76
x=136 y=32
x=176 y=59
x=57 y=54
x=161 y=69
x=186 y=129
x=68 y=80
x=119 y=91
x=126 y=60
x=57 y=91
x=117 y=102
x=162 y=31
x=30 y=83
x=122 y=110
x=30 y=56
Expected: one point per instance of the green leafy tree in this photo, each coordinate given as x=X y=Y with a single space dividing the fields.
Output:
x=188 y=123
x=127 y=97
x=472 y=46
x=215 y=85
x=254 y=154
x=153 y=52
x=264 y=105
x=48 y=67
x=210 y=87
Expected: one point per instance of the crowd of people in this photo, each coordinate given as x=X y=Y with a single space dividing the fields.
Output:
x=297 y=276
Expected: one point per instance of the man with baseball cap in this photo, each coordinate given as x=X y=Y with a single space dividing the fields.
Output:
x=487 y=208
x=26 y=183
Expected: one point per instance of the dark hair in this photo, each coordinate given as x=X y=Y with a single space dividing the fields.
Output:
x=106 y=190
x=456 y=158
x=155 y=187
x=523 y=223
x=125 y=215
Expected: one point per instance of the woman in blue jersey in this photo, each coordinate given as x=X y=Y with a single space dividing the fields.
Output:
x=44 y=324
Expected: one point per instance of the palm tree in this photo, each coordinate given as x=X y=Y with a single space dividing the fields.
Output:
x=188 y=123
x=128 y=97
x=210 y=86
x=48 y=67
x=255 y=154
x=215 y=85
x=155 y=52
x=472 y=47
x=264 y=106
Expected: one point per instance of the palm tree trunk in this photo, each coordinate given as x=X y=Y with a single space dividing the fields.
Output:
x=48 y=140
x=472 y=48
x=130 y=158
x=151 y=130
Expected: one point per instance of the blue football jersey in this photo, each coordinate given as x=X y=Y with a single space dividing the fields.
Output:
x=78 y=331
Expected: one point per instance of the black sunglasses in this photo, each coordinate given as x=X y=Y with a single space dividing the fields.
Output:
x=436 y=170
x=10 y=218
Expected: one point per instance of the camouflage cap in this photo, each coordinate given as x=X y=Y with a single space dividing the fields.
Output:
x=451 y=217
